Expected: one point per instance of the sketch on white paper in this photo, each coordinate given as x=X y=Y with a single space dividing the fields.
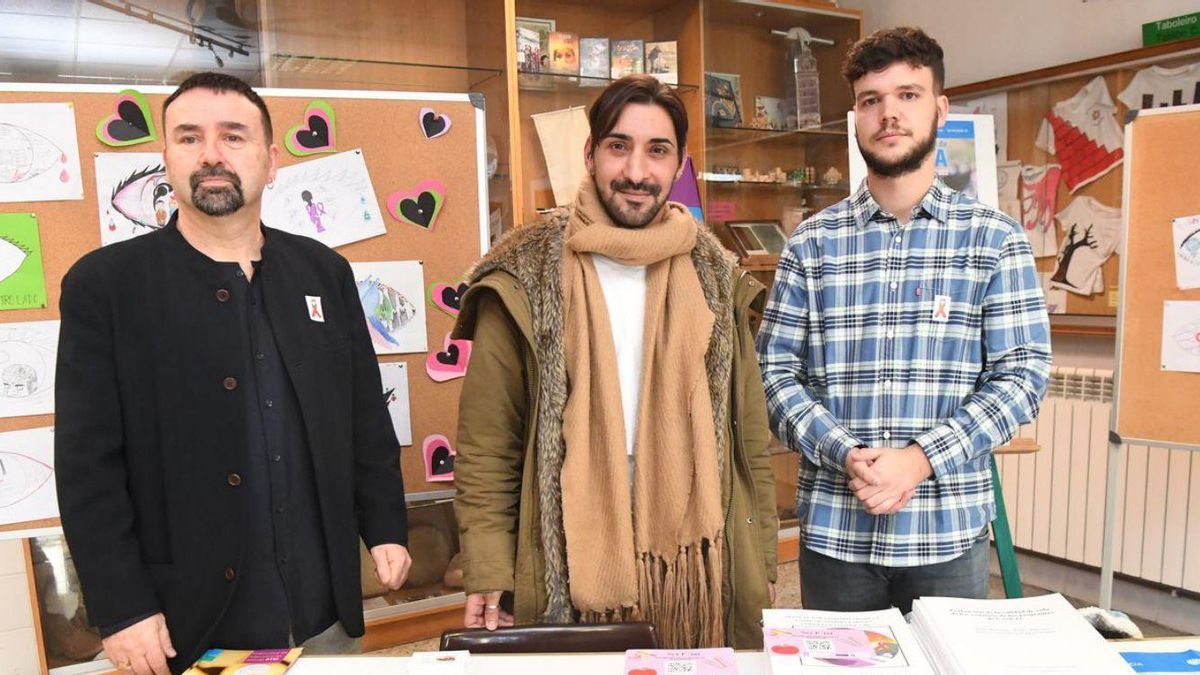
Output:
x=330 y=199
x=393 y=300
x=39 y=153
x=395 y=394
x=1181 y=336
x=1186 y=233
x=27 y=354
x=27 y=476
x=132 y=194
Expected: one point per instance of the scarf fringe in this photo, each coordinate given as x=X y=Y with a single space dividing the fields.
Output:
x=681 y=596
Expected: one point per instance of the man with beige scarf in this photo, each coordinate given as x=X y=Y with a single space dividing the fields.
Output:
x=612 y=443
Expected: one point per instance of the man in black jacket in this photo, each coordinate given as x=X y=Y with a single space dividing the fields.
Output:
x=221 y=440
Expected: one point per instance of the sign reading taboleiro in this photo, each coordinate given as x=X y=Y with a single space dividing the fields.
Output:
x=1169 y=30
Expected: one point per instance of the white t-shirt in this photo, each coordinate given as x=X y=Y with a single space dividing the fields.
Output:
x=1039 y=199
x=1158 y=87
x=625 y=296
x=1092 y=232
x=1083 y=132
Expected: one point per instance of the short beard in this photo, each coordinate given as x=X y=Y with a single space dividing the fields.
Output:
x=907 y=164
x=217 y=201
x=631 y=221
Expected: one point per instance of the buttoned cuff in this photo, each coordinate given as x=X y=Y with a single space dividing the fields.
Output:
x=945 y=447
x=834 y=447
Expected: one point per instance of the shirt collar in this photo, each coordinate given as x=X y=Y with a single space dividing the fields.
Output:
x=935 y=204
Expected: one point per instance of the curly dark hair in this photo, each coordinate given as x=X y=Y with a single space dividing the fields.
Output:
x=886 y=46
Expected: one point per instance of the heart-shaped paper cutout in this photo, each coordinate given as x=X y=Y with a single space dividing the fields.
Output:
x=449 y=363
x=433 y=124
x=132 y=123
x=439 y=458
x=446 y=297
x=316 y=134
x=419 y=207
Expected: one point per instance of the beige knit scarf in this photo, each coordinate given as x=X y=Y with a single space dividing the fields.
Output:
x=658 y=558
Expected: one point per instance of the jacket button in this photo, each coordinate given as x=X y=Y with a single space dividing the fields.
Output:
x=230 y=383
x=229 y=574
x=222 y=295
x=233 y=479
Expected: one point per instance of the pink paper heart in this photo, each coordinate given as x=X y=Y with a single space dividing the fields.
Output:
x=451 y=362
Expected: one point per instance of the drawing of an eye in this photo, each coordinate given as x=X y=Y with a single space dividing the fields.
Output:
x=145 y=198
x=12 y=255
x=20 y=476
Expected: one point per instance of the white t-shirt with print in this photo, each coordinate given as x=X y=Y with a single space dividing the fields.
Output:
x=1158 y=87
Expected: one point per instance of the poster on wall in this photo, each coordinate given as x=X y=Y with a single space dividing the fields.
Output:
x=22 y=278
x=964 y=157
x=39 y=153
x=330 y=199
x=27 y=477
x=132 y=194
x=1181 y=336
x=27 y=358
x=1186 y=233
x=393 y=300
x=395 y=394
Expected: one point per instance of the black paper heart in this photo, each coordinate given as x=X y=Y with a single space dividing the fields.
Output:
x=131 y=123
x=441 y=461
x=316 y=135
x=448 y=357
x=419 y=210
x=433 y=124
x=451 y=297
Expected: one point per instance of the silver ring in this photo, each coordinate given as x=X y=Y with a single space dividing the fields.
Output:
x=491 y=606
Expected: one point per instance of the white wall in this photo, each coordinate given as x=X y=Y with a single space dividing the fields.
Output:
x=984 y=39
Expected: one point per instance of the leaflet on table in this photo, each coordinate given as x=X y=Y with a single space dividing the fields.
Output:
x=1042 y=634
x=258 y=661
x=804 y=641
x=680 y=662
x=1186 y=661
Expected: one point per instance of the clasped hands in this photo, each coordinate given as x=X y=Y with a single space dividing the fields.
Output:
x=884 y=479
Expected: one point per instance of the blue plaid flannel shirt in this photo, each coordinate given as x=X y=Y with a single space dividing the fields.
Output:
x=883 y=335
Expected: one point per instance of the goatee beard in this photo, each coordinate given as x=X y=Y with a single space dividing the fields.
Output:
x=217 y=201
x=630 y=221
x=908 y=163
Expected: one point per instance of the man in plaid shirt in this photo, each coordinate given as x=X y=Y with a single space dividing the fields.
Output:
x=905 y=338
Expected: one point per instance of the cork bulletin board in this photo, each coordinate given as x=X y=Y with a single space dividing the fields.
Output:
x=1154 y=406
x=399 y=155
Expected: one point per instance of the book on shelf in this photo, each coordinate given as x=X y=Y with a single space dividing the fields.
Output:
x=718 y=661
x=809 y=642
x=564 y=53
x=594 y=62
x=662 y=61
x=1042 y=634
x=627 y=57
x=231 y=661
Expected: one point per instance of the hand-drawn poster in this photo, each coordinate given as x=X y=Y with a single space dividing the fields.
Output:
x=1181 y=336
x=1186 y=233
x=27 y=476
x=22 y=279
x=393 y=299
x=132 y=194
x=39 y=153
x=395 y=393
x=995 y=105
x=27 y=358
x=330 y=199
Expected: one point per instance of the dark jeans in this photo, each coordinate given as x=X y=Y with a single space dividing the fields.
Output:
x=831 y=584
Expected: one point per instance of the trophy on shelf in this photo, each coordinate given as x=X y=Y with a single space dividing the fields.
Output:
x=804 y=75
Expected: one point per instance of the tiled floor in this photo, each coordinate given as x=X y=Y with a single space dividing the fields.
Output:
x=788 y=595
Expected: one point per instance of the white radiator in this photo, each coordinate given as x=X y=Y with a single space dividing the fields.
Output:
x=1055 y=497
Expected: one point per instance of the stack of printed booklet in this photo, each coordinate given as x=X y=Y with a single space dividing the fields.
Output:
x=947 y=636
